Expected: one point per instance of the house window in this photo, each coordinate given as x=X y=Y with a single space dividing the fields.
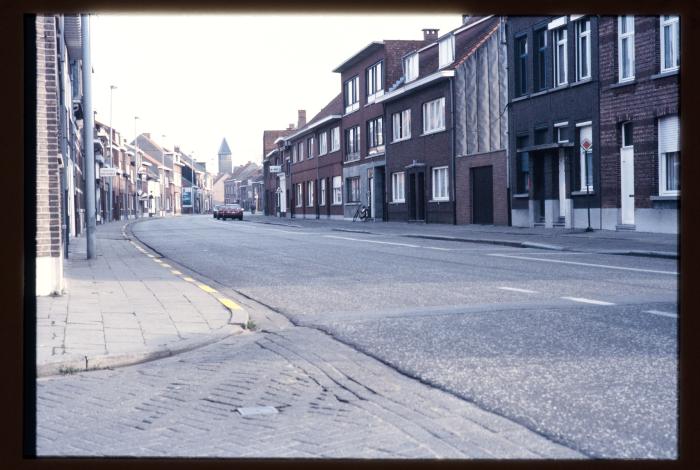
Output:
x=626 y=131
x=323 y=143
x=561 y=132
x=540 y=58
x=352 y=100
x=300 y=196
x=586 y=159
x=434 y=116
x=560 y=56
x=540 y=136
x=322 y=196
x=521 y=66
x=401 y=125
x=446 y=51
x=522 y=167
x=397 y=187
x=353 y=185
x=375 y=135
x=352 y=144
x=669 y=156
x=335 y=139
x=410 y=67
x=583 y=49
x=310 y=147
x=310 y=193
x=670 y=58
x=337 y=190
x=440 y=184
x=294 y=153
x=300 y=151
x=375 y=86
x=625 y=46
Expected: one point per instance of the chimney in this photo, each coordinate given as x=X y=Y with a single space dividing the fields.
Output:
x=301 y=122
x=147 y=134
x=465 y=18
x=291 y=127
x=430 y=34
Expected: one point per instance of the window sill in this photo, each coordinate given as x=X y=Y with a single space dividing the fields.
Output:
x=337 y=204
x=400 y=140
x=666 y=73
x=352 y=203
x=348 y=113
x=439 y=200
x=521 y=196
x=582 y=81
x=394 y=203
x=373 y=155
x=436 y=131
x=623 y=84
x=669 y=197
x=582 y=193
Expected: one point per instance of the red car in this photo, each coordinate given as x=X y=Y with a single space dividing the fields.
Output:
x=230 y=211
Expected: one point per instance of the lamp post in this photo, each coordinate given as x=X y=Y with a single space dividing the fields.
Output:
x=111 y=131
x=137 y=164
x=162 y=181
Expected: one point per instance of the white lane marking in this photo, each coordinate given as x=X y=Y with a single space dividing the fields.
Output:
x=663 y=314
x=372 y=241
x=437 y=248
x=515 y=289
x=588 y=301
x=673 y=273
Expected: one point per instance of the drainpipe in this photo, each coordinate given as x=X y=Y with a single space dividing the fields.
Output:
x=454 y=157
x=89 y=124
x=64 y=144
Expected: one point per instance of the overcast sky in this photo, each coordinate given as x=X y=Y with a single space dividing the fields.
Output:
x=199 y=78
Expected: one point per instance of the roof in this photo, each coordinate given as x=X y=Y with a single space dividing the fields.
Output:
x=361 y=54
x=270 y=138
x=480 y=34
x=334 y=109
x=223 y=148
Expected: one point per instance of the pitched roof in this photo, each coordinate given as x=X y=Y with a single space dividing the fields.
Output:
x=333 y=108
x=479 y=34
x=270 y=136
x=223 y=149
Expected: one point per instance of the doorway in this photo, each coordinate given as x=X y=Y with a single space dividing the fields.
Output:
x=416 y=196
x=482 y=195
x=538 y=187
x=627 y=185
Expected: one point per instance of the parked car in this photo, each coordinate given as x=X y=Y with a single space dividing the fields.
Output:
x=216 y=210
x=231 y=211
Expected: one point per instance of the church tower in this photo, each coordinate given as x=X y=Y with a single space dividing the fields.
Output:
x=225 y=162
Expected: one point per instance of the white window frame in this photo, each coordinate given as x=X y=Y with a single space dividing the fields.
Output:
x=434 y=116
x=623 y=126
x=398 y=187
x=446 y=51
x=300 y=151
x=410 y=67
x=337 y=190
x=351 y=91
x=322 y=195
x=310 y=144
x=355 y=155
x=300 y=196
x=583 y=37
x=401 y=125
x=629 y=35
x=351 y=179
x=671 y=22
x=663 y=150
x=294 y=153
x=440 y=183
x=335 y=139
x=310 y=193
x=557 y=128
x=582 y=162
x=379 y=145
x=560 y=38
x=375 y=84
x=322 y=143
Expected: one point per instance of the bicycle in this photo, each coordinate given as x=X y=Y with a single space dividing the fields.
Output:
x=361 y=213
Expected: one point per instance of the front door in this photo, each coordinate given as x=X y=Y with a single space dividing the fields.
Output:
x=627 y=184
x=420 y=196
x=538 y=190
x=482 y=195
x=562 y=184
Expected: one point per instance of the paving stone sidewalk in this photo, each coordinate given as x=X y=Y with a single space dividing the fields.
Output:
x=122 y=308
x=623 y=242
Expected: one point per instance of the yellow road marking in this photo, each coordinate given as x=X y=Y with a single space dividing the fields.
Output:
x=188 y=279
x=175 y=271
x=230 y=304
x=206 y=288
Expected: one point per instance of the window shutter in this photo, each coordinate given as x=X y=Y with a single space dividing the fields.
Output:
x=669 y=132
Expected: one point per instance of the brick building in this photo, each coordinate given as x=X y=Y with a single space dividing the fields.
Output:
x=276 y=192
x=639 y=124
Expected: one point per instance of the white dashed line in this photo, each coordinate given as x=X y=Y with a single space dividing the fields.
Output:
x=372 y=241
x=588 y=301
x=515 y=289
x=662 y=314
x=585 y=264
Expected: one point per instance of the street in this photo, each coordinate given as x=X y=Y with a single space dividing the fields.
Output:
x=575 y=354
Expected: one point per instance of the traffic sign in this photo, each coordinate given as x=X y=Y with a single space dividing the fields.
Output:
x=586 y=144
x=106 y=171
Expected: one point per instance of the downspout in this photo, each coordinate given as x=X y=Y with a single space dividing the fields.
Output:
x=63 y=141
x=502 y=31
x=88 y=129
x=454 y=157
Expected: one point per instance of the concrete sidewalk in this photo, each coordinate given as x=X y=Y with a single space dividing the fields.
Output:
x=599 y=241
x=124 y=307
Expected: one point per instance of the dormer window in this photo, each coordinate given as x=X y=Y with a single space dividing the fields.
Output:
x=352 y=95
x=410 y=67
x=375 y=86
x=447 y=50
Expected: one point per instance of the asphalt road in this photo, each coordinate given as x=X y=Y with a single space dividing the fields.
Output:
x=580 y=348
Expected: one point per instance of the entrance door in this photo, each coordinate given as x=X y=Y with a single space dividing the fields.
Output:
x=538 y=190
x=370 y=195
x=627 y=184
x=562 y=184
x=420 y=196
x=482 y=195
x=412 y=196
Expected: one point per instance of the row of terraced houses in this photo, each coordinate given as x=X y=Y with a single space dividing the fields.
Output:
x=567 y=121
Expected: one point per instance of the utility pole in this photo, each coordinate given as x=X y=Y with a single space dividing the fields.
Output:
x=137 y=164
x=88 y=129
x=111 y=131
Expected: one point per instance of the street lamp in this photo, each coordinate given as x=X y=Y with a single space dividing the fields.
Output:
x=162 y=182
x=137 y=164
x=111 y=131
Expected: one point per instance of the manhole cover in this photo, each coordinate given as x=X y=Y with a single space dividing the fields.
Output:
x=257 y=410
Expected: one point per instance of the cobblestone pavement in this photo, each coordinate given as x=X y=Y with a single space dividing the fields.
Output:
x=330 y=401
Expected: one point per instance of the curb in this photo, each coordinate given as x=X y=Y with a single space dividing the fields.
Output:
x=275 y=223
x=84 y=363
x=238 y=315
x=643 y=253
x=352 y=231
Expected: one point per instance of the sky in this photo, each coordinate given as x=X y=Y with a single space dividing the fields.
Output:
x=194 y=79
